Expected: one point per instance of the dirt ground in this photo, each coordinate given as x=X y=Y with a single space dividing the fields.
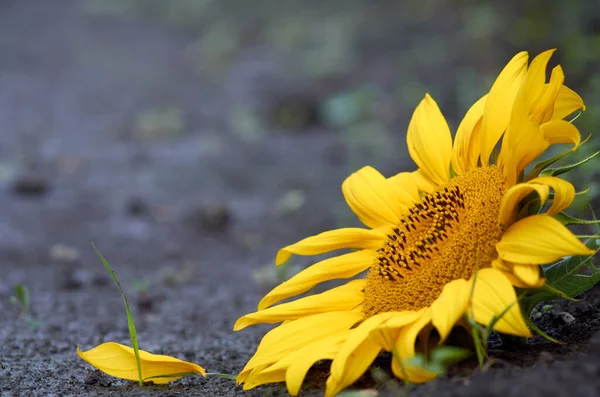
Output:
x=110 y=134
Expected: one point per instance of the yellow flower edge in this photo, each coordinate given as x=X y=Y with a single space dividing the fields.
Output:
x=119 y=361
x=452 y=238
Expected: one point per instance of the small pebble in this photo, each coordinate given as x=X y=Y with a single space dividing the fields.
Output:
x=566 y=317
x=63 y=253
x=30 y=184
x=213 y=217
x=137 y=207
x=97 y=378
x=545 y=357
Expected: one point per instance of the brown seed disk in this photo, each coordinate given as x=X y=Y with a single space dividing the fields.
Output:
x=442 y=238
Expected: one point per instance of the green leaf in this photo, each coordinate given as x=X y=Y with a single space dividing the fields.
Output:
x=22 y=293
x=447 y=355
x=220 y=375
x=130 y=323
x=569 y=220
x=537 y=329
x=567 y=168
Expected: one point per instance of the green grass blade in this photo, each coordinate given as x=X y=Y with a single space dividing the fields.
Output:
x=130 y=323
x=220 y=375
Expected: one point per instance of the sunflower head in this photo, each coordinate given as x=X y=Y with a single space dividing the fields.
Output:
x=450 y=240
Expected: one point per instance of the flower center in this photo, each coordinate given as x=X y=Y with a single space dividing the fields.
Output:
x=442 y=238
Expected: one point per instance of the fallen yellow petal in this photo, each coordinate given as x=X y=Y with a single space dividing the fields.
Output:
x=119 y=361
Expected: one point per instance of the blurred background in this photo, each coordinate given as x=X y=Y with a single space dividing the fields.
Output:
x=190 y=139
x=144 y=121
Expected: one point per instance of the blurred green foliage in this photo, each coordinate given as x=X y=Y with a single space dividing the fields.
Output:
x=388 y=53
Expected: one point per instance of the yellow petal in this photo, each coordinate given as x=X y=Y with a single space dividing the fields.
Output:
x=342 y=266
x=408 y=183
x=293 y=367
x=522 y=144
x=423 y=182
x=354 y=357
x=404 y=352
x=536 y=77
x=529 y=275
x=513 y=196
x=306 y=357
x=528 y=278
x=543 y=108
x=492 y=294
x=331 y=240
x=561 y=131
x=356 y=354
x=567 y=102
x=373 y=198
x=429 y=141
x=539 y=239
x=263 y=377
x=449 y=307
x=291 y=336
x=345 y=297
x=386 y=334
x=564 y=192
x=499 y=104
x=119 y=361
x=467 y=143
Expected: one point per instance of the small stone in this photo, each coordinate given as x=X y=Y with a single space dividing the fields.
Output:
x=566 y=317
x=97 y=378
x=137 y=207
x=213 y=217
x=30 y=184
x=545 y=357
x=100 y=280
x=63 y=253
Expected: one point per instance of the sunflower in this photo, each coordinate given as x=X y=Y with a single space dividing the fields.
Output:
x=453 y=238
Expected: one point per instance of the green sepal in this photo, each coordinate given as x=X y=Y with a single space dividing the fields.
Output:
x=570 y=220
x=567 y=168
x=540 y=167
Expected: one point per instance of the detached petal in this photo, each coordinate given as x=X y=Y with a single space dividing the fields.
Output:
x=448 y=308
x=375 y=200
x=345 y=297
x=342 y=266
x=119 y=361
x=492 y=295
x=539 y=239
x=429 y=141
x=355 y=238
x=499 y=104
